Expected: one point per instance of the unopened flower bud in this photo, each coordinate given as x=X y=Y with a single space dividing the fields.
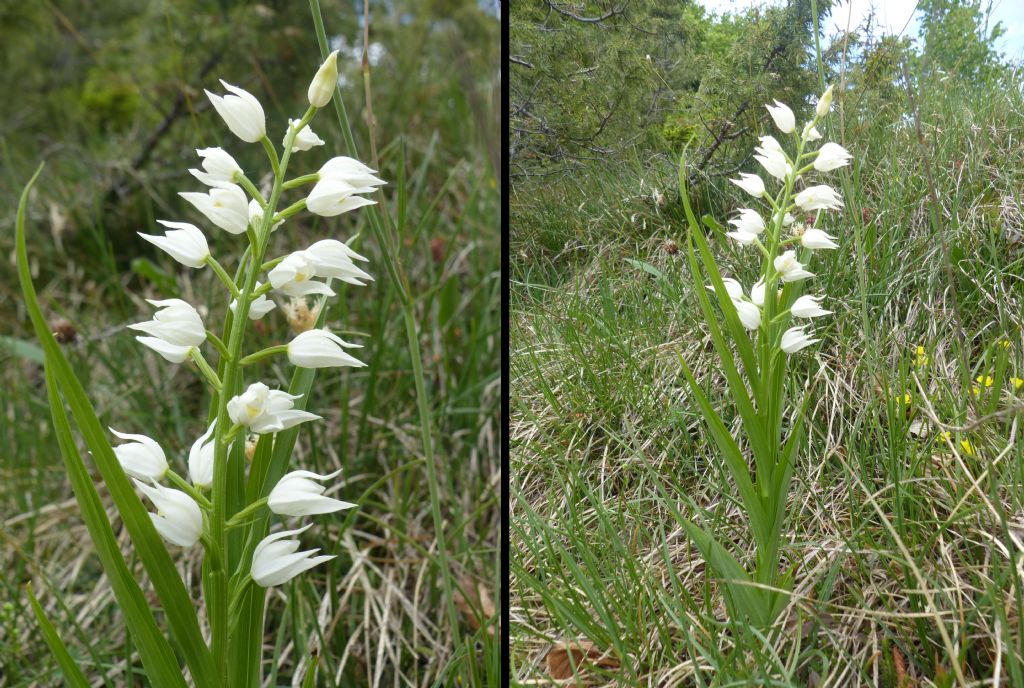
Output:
x=321 y=88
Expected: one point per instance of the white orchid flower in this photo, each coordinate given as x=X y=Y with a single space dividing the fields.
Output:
x=749 y=314
x=258 y=307
x=783 y=116
x=219 y=167
x=819 y=197
x=824 y=103
x=750 y=183
x=831 y=156
x=349 y=170
x=184 y=242
x=224 y=206
x=200 y=458
x=263 y=410
x=331 y=197
x=816 y=238
x=241 y=112
x=304 y=140
x=296 y=494
x=332 y=258
x=142 y=457
x=276 y=561
x=749 y=221
x=795 y=339
x=178 y=518
x=808 y=307
x=294 y=276
x=321 y=349
x=790 y=268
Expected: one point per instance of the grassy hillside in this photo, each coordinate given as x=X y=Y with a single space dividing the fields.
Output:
x=898 y=532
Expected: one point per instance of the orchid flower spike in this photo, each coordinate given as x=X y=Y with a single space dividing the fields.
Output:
x=241 y=112
x=263 y=410
x=297 y=495
x=276 y=561
x=178 y=518
x=141 y=458
x=224 y=206
x=184 y=243
x=321 y=349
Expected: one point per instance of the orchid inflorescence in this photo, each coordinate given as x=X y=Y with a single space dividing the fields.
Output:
x=193 y=510
x=755 y=367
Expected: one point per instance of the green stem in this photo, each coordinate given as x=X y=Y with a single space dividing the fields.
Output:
x=218 y=344
x=275 y=163
x=209 y=373
x=240 y=518
x=251 y=189
x=222 y=274
x=299 y=181
x=218 y=605
x=188 y=489
x=265 y=353
x=293 y=209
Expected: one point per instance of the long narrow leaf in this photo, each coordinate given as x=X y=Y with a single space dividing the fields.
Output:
x=72 y=674
x=178 y=607
x=743 y=345
x=735 y=462
x=156 y=654
x=751 y=421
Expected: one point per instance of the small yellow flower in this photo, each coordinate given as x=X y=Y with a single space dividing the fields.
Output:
x=904 y=398
x=984 y=380
x=976 y=390
x=921 y=359
x=1005 y=343
x=1016 y=382
x=968 y=449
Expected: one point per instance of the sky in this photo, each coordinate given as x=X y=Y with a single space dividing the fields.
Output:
x=898 y=17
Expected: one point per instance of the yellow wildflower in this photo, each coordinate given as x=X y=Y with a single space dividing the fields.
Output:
x=976 y=390
x=921 y=359
x=1005 y=343
x=1016 y=382
x=968 y=449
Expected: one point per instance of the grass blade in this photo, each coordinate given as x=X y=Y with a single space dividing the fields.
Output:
x=72 y=674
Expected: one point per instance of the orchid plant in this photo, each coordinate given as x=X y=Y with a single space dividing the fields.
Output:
x=760 y=326
x=237 y=468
